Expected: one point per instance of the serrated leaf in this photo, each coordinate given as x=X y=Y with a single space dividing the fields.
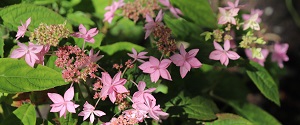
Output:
x=24 y=115
x=119 y=46
x=254 y=114
x=229 y=119
x=16 y=76
x=198 y=11
x=198 y=107
x=264 y=82
x=12 y=15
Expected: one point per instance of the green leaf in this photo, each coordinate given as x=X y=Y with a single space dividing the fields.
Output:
x=198 y=107
x=119 y=46
x=51 y=63
x=264 y=82
x=79 y=17
x=1 y=47
x=24 y=115
x=254 y=114
x=12 y=15
x=229 y=119
x=69 y=120
x=16 y=76
x=198 y=11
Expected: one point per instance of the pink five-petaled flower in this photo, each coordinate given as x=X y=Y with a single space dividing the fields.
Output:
x=156 y=68
x=227 y=16
x=23 y=28
x=279 y=53
x=233 y=6
x=109 y=15
x=138 y=97
x=252 y=22
x=264 y=53
x=95 y=57
x=89 y=111
x=223 y=54
x=153 y=110
x=151 y=24
x=138 y=56
x=175 y=11
x=63 y=104
x=112 y=87
x=30 y=52
x=185 y=60
x=253 y=11
x=41 y=54
x=86 y=35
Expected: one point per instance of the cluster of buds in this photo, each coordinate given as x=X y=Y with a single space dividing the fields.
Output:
x=165 y=43
x=133 y=10
x=49 y=34
x=75 y=63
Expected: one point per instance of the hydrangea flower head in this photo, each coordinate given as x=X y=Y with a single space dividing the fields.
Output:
x=279 y=53
x=138 y=56
x=223 y=54
x=151 y=24
x=156 y=68
x=86 y=35
x=112 y=86
x=264 y=52
x=89 y=111
x=63 y=104
x=186 y=60
x=31 y=53
x=23 y=28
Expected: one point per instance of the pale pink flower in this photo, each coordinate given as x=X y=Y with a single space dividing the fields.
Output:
x=252 y=23
x=86 y=35
x=23 y=28
x=156 y=68
x=109 y=15
x=138 y=96
x=151 y=24
x=89 y=111
x=264 y=52
x=138 y=56
x=232 y=5
x=253 y=11
x=279 y=53
x=185 y=60
x=227 y=16
x=175 y=11
x=63 y=104
x=30 y=52
x=42 y=54
x=112 y=86
x=153 y=110
x=223 y=54
x=95 y=57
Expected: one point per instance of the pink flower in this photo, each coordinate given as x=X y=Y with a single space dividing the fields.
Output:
x=138 y=97
x=108 y=16
x=279 y=53
x=264 y=52
x=138 y=56
x=30 y=52
x=232 y=5
x=95 y=57
x=86 y=35
x=227 y=16
x=252 y=22
x=154 y=111
x=42 y=54
x=23 y=28
x=112 y=86
x=175 y=11
x=223 y=54
x=156 y=68
x=253 y=11
x=151 y=24
x=135 y=115
x=63 y=104
x=185 y=60
x=89 y=111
